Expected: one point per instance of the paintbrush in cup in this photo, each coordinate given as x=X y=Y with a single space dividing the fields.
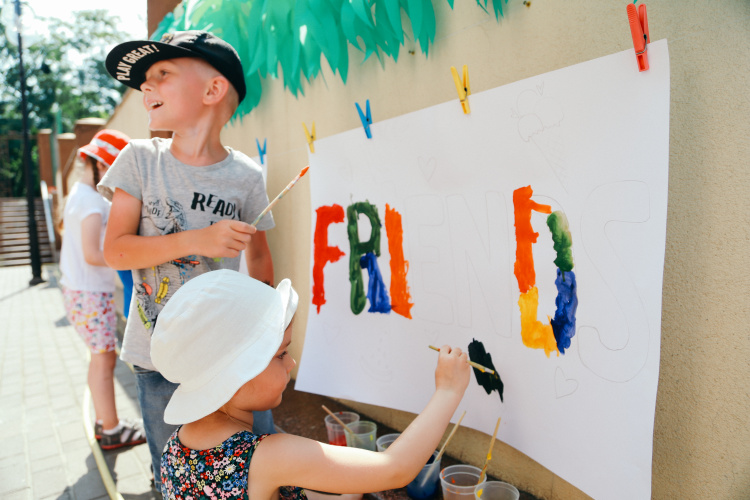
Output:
x=337 y=419
x=431 y=470
x=279 y=196
x=341 y=423
x=489 y=452
x=479 y=367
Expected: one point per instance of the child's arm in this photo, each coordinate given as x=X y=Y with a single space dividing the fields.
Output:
x=258 y=257
x=91 y=236
x=283 y=459
x=125 y=249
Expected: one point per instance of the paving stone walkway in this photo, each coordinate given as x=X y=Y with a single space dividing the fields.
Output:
x=44 y=452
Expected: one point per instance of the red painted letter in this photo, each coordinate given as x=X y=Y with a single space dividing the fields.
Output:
x=323 y=254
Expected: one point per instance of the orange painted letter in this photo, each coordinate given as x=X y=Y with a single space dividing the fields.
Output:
x=400 y=298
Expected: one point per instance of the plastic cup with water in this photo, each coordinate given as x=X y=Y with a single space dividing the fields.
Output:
x=458 y=481
x=362 y=435
x=336 y=433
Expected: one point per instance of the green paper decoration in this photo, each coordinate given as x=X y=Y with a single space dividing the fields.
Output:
x=289 y=38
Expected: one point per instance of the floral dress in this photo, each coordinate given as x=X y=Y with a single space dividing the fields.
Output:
x=218 y=473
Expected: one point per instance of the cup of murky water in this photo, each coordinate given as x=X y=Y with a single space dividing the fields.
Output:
x=383 y=442
x=458 y=481
x=336 y=433
x=362 y=435
x=426 y=483
x=496 y=490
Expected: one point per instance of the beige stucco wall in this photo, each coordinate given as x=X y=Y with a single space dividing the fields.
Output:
x=702 y=429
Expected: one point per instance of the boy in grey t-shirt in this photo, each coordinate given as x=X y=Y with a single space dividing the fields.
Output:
x=181 y=206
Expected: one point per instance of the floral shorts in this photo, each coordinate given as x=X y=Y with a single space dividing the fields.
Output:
x=92 y=314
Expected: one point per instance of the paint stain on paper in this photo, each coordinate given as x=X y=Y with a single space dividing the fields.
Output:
x=556 y=333
x=490 y=382
x=323 y=253
x=359 y=248
x=566 y=303
x=400 y=296
x=563 y=241
x=564 y=322
x=376 y=293
x=525 y=236
x=534 y=333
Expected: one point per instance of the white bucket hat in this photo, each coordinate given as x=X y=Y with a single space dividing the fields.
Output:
x=217 y=332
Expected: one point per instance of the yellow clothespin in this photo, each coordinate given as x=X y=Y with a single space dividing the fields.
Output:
x=310 y=137
x=463 y=88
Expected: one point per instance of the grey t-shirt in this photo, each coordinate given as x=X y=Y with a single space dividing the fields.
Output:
x=178 y=197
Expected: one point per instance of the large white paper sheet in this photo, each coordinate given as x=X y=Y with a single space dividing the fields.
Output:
x=592 y=142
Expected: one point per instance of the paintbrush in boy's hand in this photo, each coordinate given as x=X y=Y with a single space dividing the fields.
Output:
x=431 y=470
x=479 y=367
x=282 y=193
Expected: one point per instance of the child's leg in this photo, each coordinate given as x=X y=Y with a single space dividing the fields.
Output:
x=92 y=315
x=263 y=422
x=154 y=392
x=102 y=385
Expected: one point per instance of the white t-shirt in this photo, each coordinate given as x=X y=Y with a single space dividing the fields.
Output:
x=77 y=274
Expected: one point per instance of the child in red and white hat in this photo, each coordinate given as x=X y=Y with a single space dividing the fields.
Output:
x=89 y=285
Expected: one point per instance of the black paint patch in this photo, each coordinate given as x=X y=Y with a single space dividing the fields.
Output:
x=490 y=382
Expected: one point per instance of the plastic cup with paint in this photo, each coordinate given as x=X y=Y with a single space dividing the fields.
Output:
x=385 y=441
x=362 y=435
x=336 y=433
x=419 y=489
x=496 y=490
x=458 y=481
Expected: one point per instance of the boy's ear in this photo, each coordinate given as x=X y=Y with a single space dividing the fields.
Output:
x=217 y=87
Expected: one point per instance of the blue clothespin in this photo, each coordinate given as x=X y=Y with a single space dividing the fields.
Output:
x=365 y=117
x=261 y=152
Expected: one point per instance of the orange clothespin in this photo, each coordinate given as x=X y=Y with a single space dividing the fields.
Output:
x=310 y=137
x=463 y=88
x=639 y=30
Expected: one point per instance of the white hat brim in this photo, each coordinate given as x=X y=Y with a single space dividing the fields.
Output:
x=191 y=404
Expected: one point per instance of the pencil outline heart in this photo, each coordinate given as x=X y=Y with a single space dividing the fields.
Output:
x=427 y=167
x=563 y=384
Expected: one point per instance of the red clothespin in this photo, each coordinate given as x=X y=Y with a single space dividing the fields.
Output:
x=639 y=30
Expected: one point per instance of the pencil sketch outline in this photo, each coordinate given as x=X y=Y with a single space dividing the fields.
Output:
x=493 y=242
x=564 y=386
x=540 y=119
x=592 y=342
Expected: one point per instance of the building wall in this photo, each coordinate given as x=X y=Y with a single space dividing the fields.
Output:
x=702 y=428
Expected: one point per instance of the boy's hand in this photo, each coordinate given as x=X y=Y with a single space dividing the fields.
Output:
x=453 y=370
x=226 y=238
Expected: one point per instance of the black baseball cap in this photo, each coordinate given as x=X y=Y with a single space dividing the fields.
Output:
x=129 y=61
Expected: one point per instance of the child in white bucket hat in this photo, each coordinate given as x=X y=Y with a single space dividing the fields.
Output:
x=223 y=337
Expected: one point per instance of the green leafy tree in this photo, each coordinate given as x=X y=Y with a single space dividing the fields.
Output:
x=64 y=69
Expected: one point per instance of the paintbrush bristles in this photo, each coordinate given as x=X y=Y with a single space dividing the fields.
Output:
x=479 y=367
x=280 y=195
